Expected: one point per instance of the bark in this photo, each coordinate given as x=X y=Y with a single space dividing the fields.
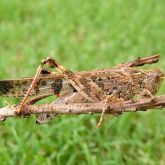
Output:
x=141 y=61
x=87 y=108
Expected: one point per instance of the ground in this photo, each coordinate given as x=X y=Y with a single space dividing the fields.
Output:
x=82 y=35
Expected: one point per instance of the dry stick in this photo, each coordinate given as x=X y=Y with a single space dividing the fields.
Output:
x=141 y=61
x=87 y=108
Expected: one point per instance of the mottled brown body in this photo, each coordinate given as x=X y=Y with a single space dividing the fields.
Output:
x=108 y=80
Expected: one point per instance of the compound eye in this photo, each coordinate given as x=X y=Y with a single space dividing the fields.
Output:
x=57 y=86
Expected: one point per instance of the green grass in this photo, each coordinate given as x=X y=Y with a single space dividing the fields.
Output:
x=82 y=35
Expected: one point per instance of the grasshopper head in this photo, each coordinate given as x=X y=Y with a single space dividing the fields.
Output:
x=154 y=80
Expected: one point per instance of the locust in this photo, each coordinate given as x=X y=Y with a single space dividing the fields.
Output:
x=114 y=85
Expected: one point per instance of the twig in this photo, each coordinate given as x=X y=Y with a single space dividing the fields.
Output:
x=141 y=61
x=87 y=108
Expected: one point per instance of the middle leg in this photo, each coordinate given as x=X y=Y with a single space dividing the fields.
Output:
x=110 y=99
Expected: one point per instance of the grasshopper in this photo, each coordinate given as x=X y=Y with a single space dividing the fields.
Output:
x=109 y=85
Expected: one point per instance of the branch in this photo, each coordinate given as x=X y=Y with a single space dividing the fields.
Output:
x=141 y=61
x=87 y=108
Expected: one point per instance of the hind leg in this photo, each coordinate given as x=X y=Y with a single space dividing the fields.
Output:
x=80 y=83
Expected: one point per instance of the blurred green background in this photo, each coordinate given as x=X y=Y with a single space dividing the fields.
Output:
x=82 y=35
